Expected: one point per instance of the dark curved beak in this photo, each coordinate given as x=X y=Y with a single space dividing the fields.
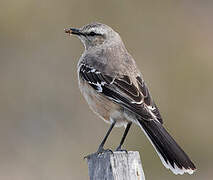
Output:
x=73 y=31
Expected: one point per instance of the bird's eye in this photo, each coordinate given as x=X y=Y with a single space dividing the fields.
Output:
x=92 y=33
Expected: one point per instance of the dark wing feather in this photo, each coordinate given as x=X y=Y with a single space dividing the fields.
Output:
x=122 y=91
x=147 y=98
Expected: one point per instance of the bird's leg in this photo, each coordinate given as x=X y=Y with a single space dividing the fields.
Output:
x=101 y=146
x=124 y=137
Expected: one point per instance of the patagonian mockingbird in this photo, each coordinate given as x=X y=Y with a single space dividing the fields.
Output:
x=114 y=88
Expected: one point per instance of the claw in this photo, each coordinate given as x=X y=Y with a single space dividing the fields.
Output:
x=99 y=152
x=119 y=149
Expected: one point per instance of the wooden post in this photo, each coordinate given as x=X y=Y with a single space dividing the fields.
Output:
x=115 y=166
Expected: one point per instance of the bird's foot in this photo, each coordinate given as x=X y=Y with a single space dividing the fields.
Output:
x=100 y=151
x=119 y=149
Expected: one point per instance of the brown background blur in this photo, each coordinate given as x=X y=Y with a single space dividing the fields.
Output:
x=46 y=128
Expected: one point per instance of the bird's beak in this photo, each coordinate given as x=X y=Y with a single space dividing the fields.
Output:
x=73 y=31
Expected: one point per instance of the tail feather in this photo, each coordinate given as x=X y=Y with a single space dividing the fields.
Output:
x=170 y=153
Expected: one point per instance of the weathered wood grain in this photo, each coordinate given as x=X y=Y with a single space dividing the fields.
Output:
x=115 y=166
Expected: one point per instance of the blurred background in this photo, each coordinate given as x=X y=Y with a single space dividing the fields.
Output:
x=46 y=127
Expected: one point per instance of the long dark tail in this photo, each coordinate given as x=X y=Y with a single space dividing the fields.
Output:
x=170 y=153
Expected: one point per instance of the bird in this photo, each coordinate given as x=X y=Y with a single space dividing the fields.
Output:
x=115 y=90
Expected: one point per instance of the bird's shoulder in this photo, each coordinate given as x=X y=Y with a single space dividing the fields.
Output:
x=112 y=60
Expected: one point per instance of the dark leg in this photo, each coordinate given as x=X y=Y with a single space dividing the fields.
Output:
x=124 y=137
x=101 y=146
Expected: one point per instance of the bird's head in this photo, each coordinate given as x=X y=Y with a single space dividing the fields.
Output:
x=95 y=34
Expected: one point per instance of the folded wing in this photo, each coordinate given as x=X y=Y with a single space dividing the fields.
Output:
x=122 y=90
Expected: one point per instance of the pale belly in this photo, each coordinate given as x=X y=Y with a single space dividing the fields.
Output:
x=103 y=107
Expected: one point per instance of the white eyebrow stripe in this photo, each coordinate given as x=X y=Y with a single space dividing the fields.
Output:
x=98 y=30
